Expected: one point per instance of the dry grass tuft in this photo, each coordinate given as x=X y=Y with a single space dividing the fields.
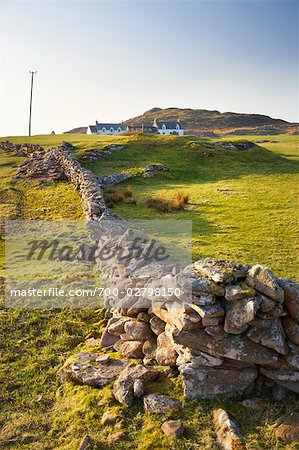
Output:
x=180 y=200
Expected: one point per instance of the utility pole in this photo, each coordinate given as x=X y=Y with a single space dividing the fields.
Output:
x=31 y=90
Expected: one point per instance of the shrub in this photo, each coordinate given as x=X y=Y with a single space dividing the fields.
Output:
x=113 y=196
x=180 y=200
x=158 y=204
x=128 y=191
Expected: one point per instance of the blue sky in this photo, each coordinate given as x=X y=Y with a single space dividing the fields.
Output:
x=111 y=60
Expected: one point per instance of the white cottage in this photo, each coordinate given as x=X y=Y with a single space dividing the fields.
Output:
x=105 y=128
x=169 y=127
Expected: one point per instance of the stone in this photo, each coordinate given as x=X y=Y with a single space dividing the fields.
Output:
x=201 y=286
x=204 y=299
x=176 y=315
x=103 y=358
x=157 y=325
x=269 y=333
x=165 y=354
x=139 y=331
x=235 y=292
x=149 y=348
x=291 y=296
x=143 y=317
x=93 y=375
x=160 y=404
x=115 y=437
x=279 y=392
x=138 y=388
x=173 y=428
x=85 y=443
x=239 y=315
x=220 y=271
x=208 y=312
x=108 y=340
x=211 y=321
x=227 y=431
x=217 y=332
x=256 y=404
x=131 y=349
x=263 y=280
x=207 y=382
x=266 y=305
x=291 y=327
x=235 y=347
x=123 y=388
x=286 y=378
x=288 y=431
x=117 y=328
x=109 y=417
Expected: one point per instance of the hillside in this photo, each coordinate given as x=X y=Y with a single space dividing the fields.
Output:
x=212 y=123
x=202 y=121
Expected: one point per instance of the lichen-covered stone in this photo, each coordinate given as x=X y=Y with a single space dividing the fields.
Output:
x=239 y=315
x=263 y=280
x=234 y=347
x=269 y=333
x=206 y=382
x=227 y=431
x=291 y=327
x=291 y=296
x=160 y=404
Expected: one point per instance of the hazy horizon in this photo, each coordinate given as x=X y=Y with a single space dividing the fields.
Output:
x=111 y=61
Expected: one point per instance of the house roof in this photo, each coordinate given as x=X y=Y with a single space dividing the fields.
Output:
x=93 y=128
x=170 y=125
x=115 y=126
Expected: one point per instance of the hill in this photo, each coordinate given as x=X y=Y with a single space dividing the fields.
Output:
x=205 y=122
x=212 y=123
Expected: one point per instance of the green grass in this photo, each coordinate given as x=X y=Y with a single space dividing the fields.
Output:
x=243 y=206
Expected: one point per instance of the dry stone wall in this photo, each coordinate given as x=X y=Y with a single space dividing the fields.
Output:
x=237 y=333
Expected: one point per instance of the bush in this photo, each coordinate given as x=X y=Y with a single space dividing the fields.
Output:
x=128 y=191
x=180 y=200
x=113 y=196
x=158 y=204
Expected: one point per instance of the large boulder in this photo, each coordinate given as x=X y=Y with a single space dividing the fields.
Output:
x=237 y=348
x=206 y=382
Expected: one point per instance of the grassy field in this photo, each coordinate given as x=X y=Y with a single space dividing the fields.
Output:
x=244 y=206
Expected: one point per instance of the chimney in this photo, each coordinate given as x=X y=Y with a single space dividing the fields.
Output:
x=97 y=122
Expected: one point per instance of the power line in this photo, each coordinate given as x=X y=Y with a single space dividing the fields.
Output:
x=31 y=90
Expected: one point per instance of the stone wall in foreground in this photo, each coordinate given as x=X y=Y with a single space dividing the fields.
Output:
x=238 y=331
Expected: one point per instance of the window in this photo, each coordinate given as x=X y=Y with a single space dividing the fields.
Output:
x=119 y=130
x=103 y=129
x=177 y=127
x=163 y=126
x=111 y=129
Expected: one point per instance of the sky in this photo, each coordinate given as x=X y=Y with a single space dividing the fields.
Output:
x=112 y=60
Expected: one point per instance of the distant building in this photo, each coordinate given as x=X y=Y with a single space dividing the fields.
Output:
x=169 y=127
x=145 y=128
x=105 y=128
